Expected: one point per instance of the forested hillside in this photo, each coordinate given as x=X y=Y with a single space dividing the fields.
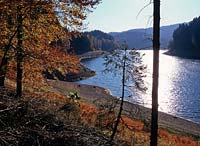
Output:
x=92 y=41
x=186 y=40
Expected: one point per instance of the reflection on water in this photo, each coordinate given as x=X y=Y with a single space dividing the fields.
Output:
x=168 y=74
x=179 y=90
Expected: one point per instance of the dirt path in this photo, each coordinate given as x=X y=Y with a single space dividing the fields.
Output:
x=101 y=96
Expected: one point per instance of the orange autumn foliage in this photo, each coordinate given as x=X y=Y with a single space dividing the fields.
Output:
x=88 y=113
x=163 y=133
x=42 y=24
x=132 y=130
x=176 y=140
x=136 y=125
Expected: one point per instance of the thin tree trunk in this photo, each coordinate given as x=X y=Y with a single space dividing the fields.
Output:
x=156 y=47
x=122 y=101
x=3 y=66
x=4 y=61
x=19 y=55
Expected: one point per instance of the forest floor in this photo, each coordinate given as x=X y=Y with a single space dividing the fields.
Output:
x=45 y=119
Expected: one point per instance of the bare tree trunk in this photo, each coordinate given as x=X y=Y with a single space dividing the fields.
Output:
x=122 y=100
x=3 y=66
x=19 y=54
x=156 y=47
x=4 y=61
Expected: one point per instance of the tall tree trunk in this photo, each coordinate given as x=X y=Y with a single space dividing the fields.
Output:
x=3 y=66
x=19 y=54
x=5 y=58
x=122 y=100
x=156 y=47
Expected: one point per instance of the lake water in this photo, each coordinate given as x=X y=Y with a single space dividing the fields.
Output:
x=179 y=84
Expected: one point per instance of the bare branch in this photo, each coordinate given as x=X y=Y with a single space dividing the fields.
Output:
x=144 y=8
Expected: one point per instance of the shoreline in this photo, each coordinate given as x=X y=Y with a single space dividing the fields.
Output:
x=191 y=56
x=99 y=96
x=91 y=54
x=85 y=72
x=82 y=75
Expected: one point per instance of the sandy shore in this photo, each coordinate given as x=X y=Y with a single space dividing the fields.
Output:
x=101 y=96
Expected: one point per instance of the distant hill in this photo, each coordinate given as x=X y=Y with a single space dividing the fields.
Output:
x=142 y=38
x=186 y=40
x=93 y=41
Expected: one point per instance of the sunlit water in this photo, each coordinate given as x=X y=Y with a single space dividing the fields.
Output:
x=179 y=84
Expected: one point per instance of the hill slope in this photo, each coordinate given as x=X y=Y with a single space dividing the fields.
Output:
x=141 y=38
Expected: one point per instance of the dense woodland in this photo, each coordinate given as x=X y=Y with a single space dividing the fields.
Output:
x=93 y=41
x=186 y=40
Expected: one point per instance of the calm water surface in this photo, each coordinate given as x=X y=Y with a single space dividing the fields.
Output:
x=179 y=84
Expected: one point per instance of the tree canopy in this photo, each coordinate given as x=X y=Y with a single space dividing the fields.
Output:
x=28 y=29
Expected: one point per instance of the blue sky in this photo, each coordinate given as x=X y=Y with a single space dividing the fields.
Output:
x=121 y=15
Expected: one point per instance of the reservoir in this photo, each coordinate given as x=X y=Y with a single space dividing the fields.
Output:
x=179 y=84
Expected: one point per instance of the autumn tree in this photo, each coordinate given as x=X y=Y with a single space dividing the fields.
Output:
x=156 y=47
x=35 y=24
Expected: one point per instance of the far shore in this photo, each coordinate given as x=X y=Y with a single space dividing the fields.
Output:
x=91 y=54
x=184 y=55
x=101 y=96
